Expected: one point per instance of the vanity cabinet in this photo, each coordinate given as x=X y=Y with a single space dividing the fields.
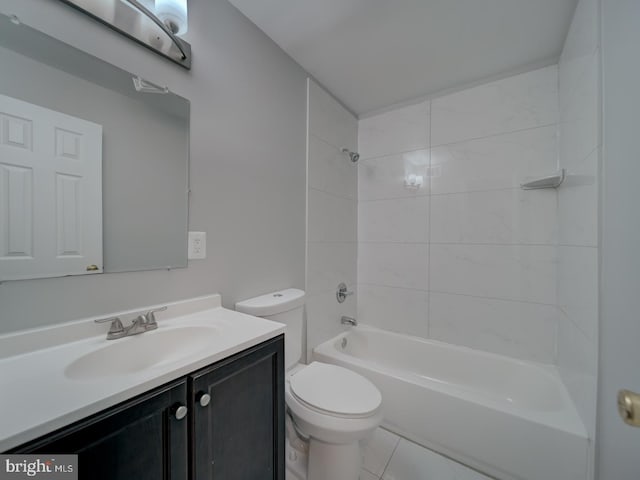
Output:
x=238 y=417
x=232 y=428
x=141 y=438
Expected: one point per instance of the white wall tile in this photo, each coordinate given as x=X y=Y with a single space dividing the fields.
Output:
x=384 y=177
x=378 y=451
x=579 y=120
x=489 y=239
x=498 y=162
x=395 y=309
x=499 y=216
x=578 y=287
x=400 y=130
x=330 y=171
x=330 y=121
x=517 y=329
x=523 y=101
x=578 y=366
x=581 y=43
x=329 y=264
x=331 y=218
x=579 y=78
x=393 y=264
x=578 y=204
x=509 y=272
x=396 y=220
x=323 y=317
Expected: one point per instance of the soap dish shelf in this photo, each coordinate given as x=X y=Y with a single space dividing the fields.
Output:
x=553 y=181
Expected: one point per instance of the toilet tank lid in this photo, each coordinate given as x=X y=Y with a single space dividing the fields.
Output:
x=272 y=303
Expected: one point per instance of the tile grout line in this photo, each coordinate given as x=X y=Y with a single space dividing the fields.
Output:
x=430 y=146
x=386 y=465
x=472 y=139
x=429 y=233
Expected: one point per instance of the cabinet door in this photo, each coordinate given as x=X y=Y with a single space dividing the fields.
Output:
x=141 y=439
x=239 y=434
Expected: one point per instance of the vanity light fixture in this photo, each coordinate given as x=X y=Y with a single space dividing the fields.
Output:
x=155 y=25
x=174 y=15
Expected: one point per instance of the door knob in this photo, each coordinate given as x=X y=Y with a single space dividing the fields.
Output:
x=629 y=407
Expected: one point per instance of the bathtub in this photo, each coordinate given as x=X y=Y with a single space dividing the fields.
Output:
x=510 y=419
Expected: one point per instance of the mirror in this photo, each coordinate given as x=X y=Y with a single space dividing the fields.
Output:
x=103 y=129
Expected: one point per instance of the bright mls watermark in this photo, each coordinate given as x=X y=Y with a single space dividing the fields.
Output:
x=43 y=467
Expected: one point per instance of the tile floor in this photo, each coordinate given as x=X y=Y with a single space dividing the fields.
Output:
x=389 y=457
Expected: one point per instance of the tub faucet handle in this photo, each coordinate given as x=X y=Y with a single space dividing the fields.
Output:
x=342 y=293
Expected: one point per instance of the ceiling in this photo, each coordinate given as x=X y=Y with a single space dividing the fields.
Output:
x=371 y=54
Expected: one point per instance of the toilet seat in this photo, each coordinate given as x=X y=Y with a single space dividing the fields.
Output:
x=322 y=424
x=335 y=391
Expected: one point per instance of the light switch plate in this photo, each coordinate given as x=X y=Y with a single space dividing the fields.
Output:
x=197 y=245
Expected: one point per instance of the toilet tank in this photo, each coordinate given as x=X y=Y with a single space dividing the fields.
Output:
x=287 y=307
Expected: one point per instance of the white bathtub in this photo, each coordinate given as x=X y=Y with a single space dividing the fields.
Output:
x=510 y=419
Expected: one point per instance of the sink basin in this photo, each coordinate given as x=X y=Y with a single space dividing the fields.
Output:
x=133 y=354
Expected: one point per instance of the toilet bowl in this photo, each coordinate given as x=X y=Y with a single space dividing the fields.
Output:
x=332 y=409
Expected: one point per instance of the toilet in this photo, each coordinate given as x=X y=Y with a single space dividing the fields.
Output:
x=331 y=410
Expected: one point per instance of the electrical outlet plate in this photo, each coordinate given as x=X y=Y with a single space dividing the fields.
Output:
x=197 y=245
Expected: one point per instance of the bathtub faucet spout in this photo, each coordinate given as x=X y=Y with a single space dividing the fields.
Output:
x=349 y=321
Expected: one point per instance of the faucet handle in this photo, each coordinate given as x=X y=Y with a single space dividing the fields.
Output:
x=116 y=325
x=151 y=317
x=342 y=293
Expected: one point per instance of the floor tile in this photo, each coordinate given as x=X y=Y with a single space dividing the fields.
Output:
x=364 y=475
x=413 y=462
x=379 y=450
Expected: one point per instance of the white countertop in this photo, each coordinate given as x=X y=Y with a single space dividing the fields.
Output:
x=38 y=397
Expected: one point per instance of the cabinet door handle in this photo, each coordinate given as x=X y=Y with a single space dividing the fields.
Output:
x=179 y=411
x=203 y=399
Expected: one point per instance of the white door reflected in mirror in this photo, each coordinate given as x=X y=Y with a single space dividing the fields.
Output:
x=50 y=192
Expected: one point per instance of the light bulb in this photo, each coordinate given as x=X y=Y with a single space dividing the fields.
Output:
x=174 y=15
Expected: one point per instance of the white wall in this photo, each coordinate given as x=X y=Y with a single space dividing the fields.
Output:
x=579 y=94
x=469 y=258
x=248 y=108
x=332 y=210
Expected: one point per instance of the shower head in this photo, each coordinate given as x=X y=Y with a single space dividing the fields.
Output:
x=353 y=156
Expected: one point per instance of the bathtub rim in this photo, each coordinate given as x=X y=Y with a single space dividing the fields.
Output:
x=573 y=425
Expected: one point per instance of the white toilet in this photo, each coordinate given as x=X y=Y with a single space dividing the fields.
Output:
x=333 y=409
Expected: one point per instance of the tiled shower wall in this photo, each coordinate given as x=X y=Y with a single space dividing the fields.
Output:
x=468 y=257
x=577 y=209
x=332 y=214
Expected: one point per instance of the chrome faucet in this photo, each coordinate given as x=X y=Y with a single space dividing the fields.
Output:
x=349 y=321
x=142 y=323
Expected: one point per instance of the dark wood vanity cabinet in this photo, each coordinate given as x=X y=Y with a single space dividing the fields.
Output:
x=141 y=438
x=238 y=431
x=233 y=428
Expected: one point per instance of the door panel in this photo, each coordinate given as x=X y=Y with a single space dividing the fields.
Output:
x=618 y=444
x=139 y=440
x=239 y=435
x=50 y=192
